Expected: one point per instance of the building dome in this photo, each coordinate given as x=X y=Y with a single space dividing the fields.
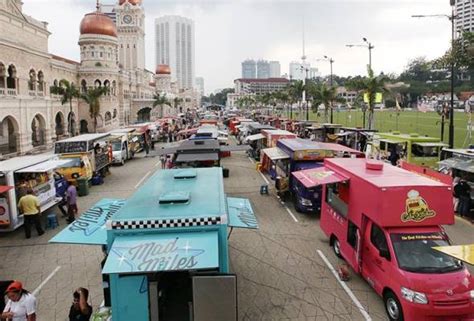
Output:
x=132 y=2
x=99 y=24
x=163 y=70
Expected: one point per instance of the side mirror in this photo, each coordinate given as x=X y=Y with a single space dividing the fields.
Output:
x=83 y=164
x=385 y=254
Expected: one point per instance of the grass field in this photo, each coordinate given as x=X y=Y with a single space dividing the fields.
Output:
x=407 y=122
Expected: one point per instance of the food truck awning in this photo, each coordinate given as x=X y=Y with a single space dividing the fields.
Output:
x=254 y=137
x=90 y=227
x=466 y=165
x=275 y=153
x=241 y=213
x=198 y=157
x=4 y=188
x=464 y=253
x=234 y=148
x=318 y=176
x=431 y=144
x=155 y=252
x=46 y=166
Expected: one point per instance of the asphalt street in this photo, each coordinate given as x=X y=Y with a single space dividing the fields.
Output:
x=282 y=268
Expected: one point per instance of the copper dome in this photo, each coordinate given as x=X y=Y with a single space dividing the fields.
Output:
x=163 y=70
x=99 y=24
x=132 y=2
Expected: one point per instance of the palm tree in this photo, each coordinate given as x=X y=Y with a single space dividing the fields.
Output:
x=371 y=86
x=161 y=101
x=68 y=91
x=92 y=98
x=295 y=90
x=322 y=94
x=176 y=102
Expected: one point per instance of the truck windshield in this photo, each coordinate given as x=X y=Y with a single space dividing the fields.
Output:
x=415 y=253
x=73 y=162
x=116 y=146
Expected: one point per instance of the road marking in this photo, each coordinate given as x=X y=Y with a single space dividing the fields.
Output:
x=143 y=178
x=251 y=160
x=50 y=276
x=264 y=178
x=345 y=287
x=290 y=212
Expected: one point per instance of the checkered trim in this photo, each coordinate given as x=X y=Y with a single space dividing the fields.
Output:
x=144 y=224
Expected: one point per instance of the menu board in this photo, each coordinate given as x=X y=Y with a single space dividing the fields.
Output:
x=70 y=147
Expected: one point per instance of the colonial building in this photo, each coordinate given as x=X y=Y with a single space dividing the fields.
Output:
x=112 y=55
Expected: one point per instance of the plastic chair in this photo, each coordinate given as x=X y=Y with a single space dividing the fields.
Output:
x=52 y=221
x=264 y=189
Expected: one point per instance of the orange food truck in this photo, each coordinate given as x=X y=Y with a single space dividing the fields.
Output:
x=385 y=222
x=271 y=136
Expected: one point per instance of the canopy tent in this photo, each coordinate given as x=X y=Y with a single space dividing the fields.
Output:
x=466 y=165
x=318 y=176
x=46 y=166
x=275 y=153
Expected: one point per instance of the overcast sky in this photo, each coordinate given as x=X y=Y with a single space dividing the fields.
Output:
x=230 y=31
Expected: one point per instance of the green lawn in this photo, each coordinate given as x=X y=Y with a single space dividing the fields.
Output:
x=407 y=122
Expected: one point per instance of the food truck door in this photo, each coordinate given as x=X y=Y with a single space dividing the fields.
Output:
x=375 y=257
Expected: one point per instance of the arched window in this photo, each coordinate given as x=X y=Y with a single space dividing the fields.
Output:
x=107 y=85
x=115 y=113
x=11 y=79
x=108 y=116
x=55 y=83
x=40 y=81
x=3 y=76
x=83 y=85
x=97 y=83
x=32 y=80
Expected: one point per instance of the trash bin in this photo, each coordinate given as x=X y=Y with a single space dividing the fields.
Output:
x=82 y=186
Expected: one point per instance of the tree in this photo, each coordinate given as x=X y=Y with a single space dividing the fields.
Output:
x=322 y=94
x=176 y=102
x=92 y=98
x=161 y=101
x=295 y=90
x=369 y=87
x=68 y=91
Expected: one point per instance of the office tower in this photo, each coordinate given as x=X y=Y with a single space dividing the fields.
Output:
x=275 y=69
x=263 y=69
x=249 y=69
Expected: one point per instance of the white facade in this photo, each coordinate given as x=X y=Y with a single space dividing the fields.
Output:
x=275 y=69
x=298 y=71
x=465 y=16
x=174 y=43
x=200 y=85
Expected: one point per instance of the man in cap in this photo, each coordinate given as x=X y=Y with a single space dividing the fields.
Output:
x=21 y=304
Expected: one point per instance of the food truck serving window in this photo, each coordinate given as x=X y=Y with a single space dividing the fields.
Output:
x=336 y=197
x=415 y=253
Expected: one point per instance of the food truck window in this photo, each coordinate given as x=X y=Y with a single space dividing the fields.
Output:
x=425 y=151
x=378 y=239
x=333 y=198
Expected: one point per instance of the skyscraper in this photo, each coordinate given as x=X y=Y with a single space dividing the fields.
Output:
x=263 y=69
x=249 y=69
x=174 y=43
x=465 y=16
x=200 y=85
x=275 y=69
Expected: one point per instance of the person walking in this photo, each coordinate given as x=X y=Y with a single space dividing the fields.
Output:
x=146 y=143
x=80 y=310
x=29 y=206
x=71 y=198
x=163 y=160
x=21 y=304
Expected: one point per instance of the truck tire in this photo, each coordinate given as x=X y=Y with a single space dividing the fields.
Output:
x=336 y=247
x=393 y=307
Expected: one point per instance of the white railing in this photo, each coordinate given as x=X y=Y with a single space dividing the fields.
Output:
x=32 y=92
x=2 y=91
x=40 y=94
x=11 y=92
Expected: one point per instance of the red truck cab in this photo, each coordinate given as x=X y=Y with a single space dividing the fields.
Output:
x=384 y=221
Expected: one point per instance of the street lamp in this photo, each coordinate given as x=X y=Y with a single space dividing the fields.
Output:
x=451 y=18
x=369 y=46
x=331 y=61
x=303 y=98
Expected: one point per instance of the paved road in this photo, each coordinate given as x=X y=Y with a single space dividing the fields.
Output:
x=280 y=274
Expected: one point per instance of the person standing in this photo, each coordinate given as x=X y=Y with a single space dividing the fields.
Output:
x=463 y=191
x=146 y=143
x=29 y=206
x=163 y=161
x=21 y=304
x=80 y=310
x=71 y=198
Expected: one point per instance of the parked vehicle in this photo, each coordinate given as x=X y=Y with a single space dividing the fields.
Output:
x=389 y=237
x=88 y=153
x=132 y=147
x=120 y=151
x=19 y=174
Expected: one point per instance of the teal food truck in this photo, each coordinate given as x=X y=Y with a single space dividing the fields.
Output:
x=167 y=252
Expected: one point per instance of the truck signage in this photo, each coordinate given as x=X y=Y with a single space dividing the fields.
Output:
x=417 y=209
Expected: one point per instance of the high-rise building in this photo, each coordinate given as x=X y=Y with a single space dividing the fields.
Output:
x=275 y=69
x=174 y=43
x=465 y=16
x=263 y=69
x=200 y=85
x=299 y=71
x=249 y=69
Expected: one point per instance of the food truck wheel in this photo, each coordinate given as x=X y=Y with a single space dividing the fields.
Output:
x=122 y=162
x=393 y=307
x=336 y=247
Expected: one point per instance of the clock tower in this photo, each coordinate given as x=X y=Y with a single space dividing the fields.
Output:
x=130 y=21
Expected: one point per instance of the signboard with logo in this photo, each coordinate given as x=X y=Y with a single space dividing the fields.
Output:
x=4 y=212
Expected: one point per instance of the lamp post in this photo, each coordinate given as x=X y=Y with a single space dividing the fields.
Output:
x=369 y=46
x=303 y=98
x=451 y=18
x=331 y=61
